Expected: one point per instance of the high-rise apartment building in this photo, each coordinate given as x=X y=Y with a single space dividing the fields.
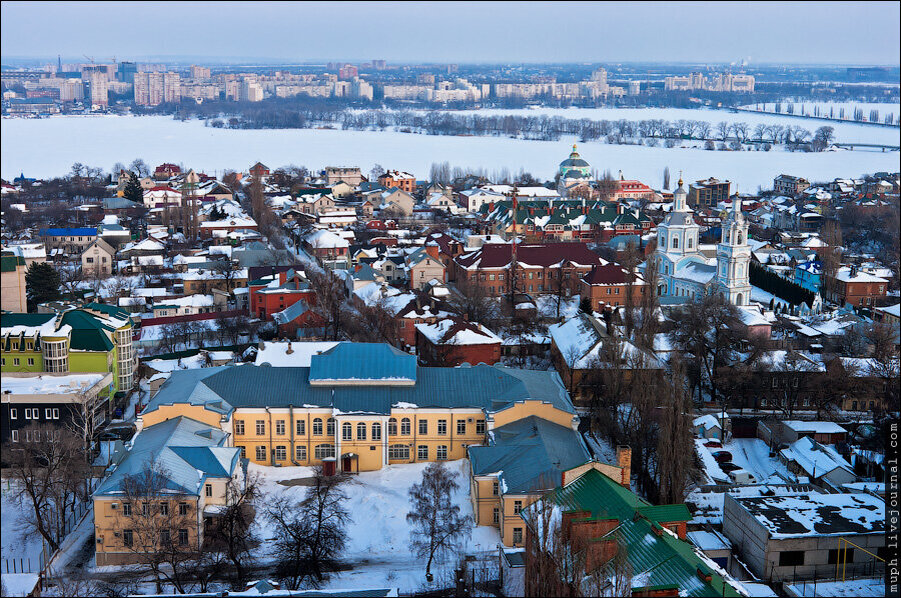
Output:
x=200 y=72
x=152 y=89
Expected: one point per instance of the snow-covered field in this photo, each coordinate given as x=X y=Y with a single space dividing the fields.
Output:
x=48 y=147
x=379 y=537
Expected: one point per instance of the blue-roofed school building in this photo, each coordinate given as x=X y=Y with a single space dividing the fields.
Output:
x=359 y=407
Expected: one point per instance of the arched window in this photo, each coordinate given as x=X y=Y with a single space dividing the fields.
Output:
x=728 y=236
x=347 y=431
x=405 y=426
x=738 y=241
x=738 y=299
x=361 y=431
x=675 y=242
x=392 y=427
x=690 y=242
x=376 y=431
x=398 y=452
x=330 y=426
x=317 y=427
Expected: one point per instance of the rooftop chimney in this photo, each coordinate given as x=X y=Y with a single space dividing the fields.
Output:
x=624 y=461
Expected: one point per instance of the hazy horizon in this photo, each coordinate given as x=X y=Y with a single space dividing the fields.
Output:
x=456 y=32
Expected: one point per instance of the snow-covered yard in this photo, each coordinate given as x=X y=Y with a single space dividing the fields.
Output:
x=378 y=545
x=753 y=455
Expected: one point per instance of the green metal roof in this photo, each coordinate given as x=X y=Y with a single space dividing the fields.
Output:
x=88 y=333
x=9 y=262
x=657 y=558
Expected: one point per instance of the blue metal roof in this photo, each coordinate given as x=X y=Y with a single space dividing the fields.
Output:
x=68 y=232
x=377 y=362
x=189 y=451
x=490 y=388
x=531 y=454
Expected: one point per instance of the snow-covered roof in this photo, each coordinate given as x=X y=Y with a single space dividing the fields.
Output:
x=813 y=427
x=454 y=331
x=48 y=384
x=326 y=240
x=844 y=275
x=817 y=514
x=814 y=458
x=290 y=354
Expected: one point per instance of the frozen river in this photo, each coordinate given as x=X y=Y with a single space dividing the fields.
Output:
x=48 y=147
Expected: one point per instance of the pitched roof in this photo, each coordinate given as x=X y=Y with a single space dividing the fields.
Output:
x=189 y=451
x=499 y=255
x=491 y=388
x=662 y=559
x=529 y=455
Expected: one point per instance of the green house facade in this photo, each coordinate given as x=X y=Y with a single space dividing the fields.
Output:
x=93 y=338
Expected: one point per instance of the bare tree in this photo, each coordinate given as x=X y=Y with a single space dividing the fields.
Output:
x=232 y=535
x=722 y=130
x=47 y=466
x=310 y=533
x=674 y=448
x=160 y=533
x=437 y=525
x=331 y=294
x=831 y=258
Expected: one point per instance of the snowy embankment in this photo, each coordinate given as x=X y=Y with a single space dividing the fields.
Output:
x=42 y=148
x=378 y=546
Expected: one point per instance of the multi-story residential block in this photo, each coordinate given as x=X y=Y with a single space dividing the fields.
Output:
x=200 y=72
x=93 y=338
x=12 y=274
x=51 y=399
x=786 y=184
x=152 y=89
x=708 y=193
x=96 y=87
x=67 y=242
x=350 y=175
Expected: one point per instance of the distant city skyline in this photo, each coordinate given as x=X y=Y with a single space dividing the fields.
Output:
x=456 y=32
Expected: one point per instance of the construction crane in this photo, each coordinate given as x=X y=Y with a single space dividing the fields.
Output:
x=114 y=60
x=89 y=58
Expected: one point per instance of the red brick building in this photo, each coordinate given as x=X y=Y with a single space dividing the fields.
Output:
x=608 y=285
x=300 y=321
x=451 y=342
x=539 y=268
x=860 y=289
x=271 y=295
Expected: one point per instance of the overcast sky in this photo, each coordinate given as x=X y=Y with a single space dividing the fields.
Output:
x=716 y=32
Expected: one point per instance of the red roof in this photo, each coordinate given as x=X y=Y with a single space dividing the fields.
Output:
x=499 y=255
x=606 y=274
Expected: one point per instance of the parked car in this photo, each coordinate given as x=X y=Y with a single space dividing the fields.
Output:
x=713 y=444
x=742 y=476
x=722 y=456
x=729 y=467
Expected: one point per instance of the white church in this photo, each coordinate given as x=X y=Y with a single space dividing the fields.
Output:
x=684 y=271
